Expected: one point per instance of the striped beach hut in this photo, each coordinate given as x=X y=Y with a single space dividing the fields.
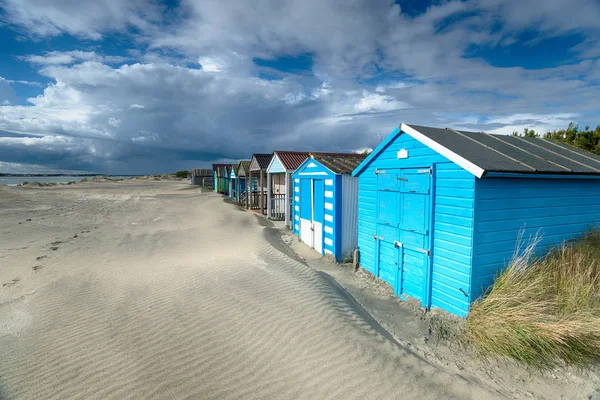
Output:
x=325 y=203
x=441 y=211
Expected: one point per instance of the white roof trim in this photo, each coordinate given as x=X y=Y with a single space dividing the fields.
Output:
x=450 y=155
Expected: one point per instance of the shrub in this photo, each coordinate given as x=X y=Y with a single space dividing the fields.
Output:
x=182 y=174
x=543 y=311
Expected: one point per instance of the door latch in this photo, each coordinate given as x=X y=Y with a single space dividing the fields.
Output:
x=378 y=237
x=397 y=243
x=426 y=252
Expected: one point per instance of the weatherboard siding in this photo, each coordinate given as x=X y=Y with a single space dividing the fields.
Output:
x=506 y=210
x=453 y=197
x=452 y=238
x=348 y=214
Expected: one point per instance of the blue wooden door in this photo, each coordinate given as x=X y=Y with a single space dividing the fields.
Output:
x=403 y=241
x=388 y=253
x=318 y=213
x=415 y=214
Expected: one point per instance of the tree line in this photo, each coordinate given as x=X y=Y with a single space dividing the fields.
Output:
x=585 y=139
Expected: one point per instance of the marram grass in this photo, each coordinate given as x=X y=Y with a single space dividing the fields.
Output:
x=543 y=311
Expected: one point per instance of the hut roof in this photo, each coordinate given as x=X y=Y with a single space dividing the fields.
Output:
x=339 y=163
x=263 y=160
x=245 y=165
x=481 y=153
x=291 y=159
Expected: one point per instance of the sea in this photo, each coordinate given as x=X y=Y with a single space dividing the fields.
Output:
x=18 y=180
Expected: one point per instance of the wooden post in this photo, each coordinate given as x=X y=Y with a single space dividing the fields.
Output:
x=249 y=187
x=356 y=260
x=286 y=208
x=260 y=193
x=269 y=186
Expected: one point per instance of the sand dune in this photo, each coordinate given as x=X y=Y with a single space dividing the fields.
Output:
x=154 y=290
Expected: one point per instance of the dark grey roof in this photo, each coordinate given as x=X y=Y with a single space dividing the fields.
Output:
x=511 y=154
x=263 y=160
x=244 y=165
x=339 y=163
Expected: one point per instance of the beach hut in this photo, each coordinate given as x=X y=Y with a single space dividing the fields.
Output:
x=279 y=183
x=242 y=173
x=325 y=203
x=219 y=178
x=258 y=181
x=441 y=211
x=226 y=171
x=202 y=177
x=233 y=193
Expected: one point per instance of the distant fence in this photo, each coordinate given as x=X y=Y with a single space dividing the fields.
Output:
x=206 y=181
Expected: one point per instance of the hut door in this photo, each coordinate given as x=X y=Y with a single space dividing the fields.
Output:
x=389 y=252
x=312 y=194
x=414 y=217
x=318 y=213
x=402 y=230
x=306 y=232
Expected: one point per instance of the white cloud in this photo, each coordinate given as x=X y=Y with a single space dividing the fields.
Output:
x=376 y=102
x=114 y=122
x=212 y=64
x=86 y=19
x=70 y=57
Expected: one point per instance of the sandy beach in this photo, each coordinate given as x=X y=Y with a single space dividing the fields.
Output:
x=153 y=289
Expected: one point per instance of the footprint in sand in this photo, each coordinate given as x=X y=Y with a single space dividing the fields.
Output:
x=8 y=284
x=37 y=267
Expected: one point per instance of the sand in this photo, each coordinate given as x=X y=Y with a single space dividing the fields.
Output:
x=152 y=289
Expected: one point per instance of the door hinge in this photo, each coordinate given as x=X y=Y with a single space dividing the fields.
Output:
x=425 y=171
x=375 y=236
x=402 y=179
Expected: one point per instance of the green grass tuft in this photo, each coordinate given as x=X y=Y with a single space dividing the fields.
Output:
x=543 y=311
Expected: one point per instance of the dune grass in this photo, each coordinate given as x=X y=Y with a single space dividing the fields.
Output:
x=543 y=311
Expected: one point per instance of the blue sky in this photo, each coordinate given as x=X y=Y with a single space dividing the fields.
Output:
x=146 y=86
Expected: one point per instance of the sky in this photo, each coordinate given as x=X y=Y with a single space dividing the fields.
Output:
x=148 y=86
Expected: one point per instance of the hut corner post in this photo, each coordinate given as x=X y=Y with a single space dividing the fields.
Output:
x=288 y=177
x=269 y=195
x=356 y=260
x=249 y=189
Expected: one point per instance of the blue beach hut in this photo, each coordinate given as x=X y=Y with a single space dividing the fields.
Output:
x=441 y=211
x=233 y=184
x=324 y=203
x=242 y=176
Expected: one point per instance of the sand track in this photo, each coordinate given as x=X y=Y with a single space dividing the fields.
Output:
x=197 y=304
